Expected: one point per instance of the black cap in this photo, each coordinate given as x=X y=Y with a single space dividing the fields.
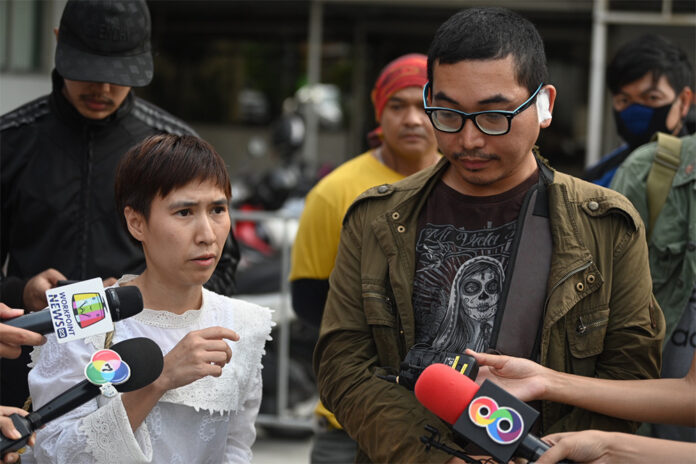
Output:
x=105 y=41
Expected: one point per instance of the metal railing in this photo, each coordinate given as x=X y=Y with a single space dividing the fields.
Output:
x=283 y=315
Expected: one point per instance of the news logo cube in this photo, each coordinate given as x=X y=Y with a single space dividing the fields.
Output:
x=496 y=421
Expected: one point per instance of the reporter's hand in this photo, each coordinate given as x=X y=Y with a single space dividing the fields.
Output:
x=34 y=296
x=12 y=338
x=200 y=353
x=109 y=281
x=8 y=429
x=588 y=446
x=520 y=377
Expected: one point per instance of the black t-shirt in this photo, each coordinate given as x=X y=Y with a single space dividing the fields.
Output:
x=463 y=248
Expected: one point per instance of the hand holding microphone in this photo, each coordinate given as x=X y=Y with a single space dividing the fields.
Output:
x=8 y=429
x=122 y=302
x=487 y=416
x=525 y=379
x=34 y=294
x=667 y=401
x=142 y=356
x=12 y=338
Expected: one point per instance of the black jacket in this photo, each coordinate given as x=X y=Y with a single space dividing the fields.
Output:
x=57 y=171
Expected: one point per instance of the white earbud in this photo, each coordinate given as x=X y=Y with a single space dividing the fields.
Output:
x=542 y=105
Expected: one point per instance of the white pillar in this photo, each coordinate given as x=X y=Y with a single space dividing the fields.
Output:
x=595 y=111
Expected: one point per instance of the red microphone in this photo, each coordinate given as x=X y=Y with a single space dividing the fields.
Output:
x=487 y=416
x=445 y=392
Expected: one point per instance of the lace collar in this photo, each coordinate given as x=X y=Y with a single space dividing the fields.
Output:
x=165 y=319
x=229 y=391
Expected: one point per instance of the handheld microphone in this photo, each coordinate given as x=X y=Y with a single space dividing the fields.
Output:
x=142 y=355
x=123 y=302
x=487 y=416
x=421 y=356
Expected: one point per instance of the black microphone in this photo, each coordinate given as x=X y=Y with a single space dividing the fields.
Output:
x=486 y=416
x=142 y=355
x=122 y=302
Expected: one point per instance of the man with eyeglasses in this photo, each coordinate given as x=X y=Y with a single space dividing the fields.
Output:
x=490 y=249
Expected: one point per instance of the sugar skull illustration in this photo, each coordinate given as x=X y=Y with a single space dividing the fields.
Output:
x=472 y=306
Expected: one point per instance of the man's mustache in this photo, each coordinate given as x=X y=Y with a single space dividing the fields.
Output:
x=97 y=98
x=414 y=132
x=475 y=155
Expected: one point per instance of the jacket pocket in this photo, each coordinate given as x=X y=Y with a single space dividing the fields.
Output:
x=377 y=306
x=666 y=262
x=586 y=332
x=380 y=314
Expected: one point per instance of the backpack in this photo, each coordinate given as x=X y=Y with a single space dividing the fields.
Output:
x=659 y=182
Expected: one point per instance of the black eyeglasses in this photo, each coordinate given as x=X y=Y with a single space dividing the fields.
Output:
x=489 y=122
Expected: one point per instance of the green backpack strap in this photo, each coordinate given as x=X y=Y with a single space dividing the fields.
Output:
x=659 y=182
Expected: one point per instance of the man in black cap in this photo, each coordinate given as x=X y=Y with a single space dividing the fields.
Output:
x=57 y=160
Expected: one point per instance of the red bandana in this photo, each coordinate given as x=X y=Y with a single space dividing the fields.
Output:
x=406 y=71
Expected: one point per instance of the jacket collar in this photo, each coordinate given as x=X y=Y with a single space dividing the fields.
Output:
x=569 y=256
x=420 y=185
x=67 y=112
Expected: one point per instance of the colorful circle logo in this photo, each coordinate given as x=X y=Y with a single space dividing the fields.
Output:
x=504 y=425
x=105 y=367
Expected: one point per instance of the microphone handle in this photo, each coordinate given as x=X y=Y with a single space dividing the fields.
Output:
x=66 y=401
x=39 y=322
x=532 y=448
x=71 y=398
x=25 y=430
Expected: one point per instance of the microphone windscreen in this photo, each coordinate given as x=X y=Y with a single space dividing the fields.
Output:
x=144 y=358
x=444 y=391
x=124 y=301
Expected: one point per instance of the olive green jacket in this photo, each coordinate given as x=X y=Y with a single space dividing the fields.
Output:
x=672 y=245
x=600 y=316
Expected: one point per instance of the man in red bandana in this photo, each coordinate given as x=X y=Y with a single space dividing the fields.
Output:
x=403 y=144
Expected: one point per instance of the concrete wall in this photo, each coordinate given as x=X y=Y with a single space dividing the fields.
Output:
x=17 y=89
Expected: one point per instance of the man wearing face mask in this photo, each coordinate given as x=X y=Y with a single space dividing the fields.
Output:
x=650 y=81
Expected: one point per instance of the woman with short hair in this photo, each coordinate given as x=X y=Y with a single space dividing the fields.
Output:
x=173 y=192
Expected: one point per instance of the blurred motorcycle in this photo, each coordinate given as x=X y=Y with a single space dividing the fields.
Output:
x=266 y=208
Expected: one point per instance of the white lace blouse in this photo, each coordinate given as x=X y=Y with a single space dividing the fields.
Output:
x=208 y=421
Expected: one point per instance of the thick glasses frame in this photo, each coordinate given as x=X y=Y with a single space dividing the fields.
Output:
x=429 y=110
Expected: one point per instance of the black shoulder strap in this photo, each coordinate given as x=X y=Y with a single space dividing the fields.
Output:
x=522 y=304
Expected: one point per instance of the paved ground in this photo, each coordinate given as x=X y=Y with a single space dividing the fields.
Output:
x=281 y=451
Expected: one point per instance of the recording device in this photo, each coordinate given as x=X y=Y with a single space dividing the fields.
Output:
x=123 y=302
x=142 y=355
x=421 y=356
x=486 y=416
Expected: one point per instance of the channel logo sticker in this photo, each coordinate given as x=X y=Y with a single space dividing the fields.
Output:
x=106 y=367
x=88 y=308
x=79 y=310
x=504 y=425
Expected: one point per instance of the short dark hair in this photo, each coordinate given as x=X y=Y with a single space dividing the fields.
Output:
x=489 y=34
x=162 y=163
x=649 y=53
